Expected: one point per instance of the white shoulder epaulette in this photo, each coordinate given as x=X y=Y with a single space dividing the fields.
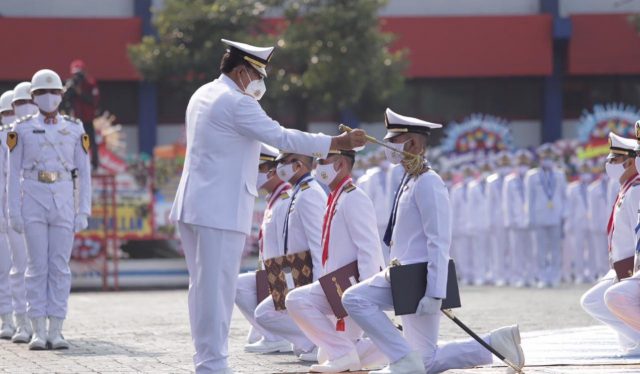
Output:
x=25 y=118
x=72 y=119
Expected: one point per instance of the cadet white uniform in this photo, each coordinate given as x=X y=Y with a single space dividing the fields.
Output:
x=622 y=242
x=462 y=232
x=523 y=260
x=272 y=220
x=302 y=231
x=576 y=231
x=600 y=204
x=501 y=258
x=422 y=233
x=479 y=224
x=544 y=202
x=7 y=296
x=215 y=198
x=351 y=236
x=47 y=208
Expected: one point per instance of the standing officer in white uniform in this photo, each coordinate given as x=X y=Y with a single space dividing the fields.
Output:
x=420 y=232
x=577 y=227
x=545 y=188
x=246 y=293
x=479 y=212
x=499 y=243
x=600 y=203
x=461 y=240
x=349 y=234
x=7 y=307
x=515 y=218
x=302 y=231
x=49 y=152
x=23 y=106
x=214 y=202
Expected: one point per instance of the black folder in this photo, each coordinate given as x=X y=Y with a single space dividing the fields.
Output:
x=409 y=284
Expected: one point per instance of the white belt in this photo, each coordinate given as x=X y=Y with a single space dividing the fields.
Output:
x=47 y=176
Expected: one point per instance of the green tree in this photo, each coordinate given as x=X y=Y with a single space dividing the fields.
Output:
x=330 y=54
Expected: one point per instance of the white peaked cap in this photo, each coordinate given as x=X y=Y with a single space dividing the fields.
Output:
x=258 y=57
x=397 y=124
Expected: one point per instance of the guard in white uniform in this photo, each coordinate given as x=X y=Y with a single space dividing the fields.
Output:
x=545 y=188
x=246 y=294
x=214 y=202
x=420 y=230
x=621 y=242
x=23 y=106
x=577 y=227
x=349 y=234
x=479 y=212
x=48 y=156
x=302 y=231
x=501 y=258
x=522 y=260
x=8 y=328
x=461 y=240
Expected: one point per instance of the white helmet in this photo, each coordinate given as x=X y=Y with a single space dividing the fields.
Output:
x=5 y=101
x=22 y=92
x=46 y=79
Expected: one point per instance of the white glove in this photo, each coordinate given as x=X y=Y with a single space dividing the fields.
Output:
x=17 y=224
x=81 y=222
x=428 y=306
x=3 y=224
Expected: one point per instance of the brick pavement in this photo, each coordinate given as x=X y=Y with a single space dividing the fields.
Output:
x=147 y=332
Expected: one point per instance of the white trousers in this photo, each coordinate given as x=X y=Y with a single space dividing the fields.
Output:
x=598 y=259
x=309 y=308
x=522 y=260
x=481 y=254
x=5 y=283
x=499 y=267
x=18 y=248
x=623 y=300
x=49 y=238
x=213 y=260
x=576 y=251
x=246 y=300
x=463 y=256
x=548 y=241
x=595 y=303
x=366 y=304
x=278 y=322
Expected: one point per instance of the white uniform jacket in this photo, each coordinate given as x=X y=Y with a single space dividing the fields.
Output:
x=459 y=207
x=50 y=148
x=544 y=197
x=577 y=207
x=600 y=205
x=224 y=128
x=495 y=184
x=625 y=219
x=273 y=223
x=479 y=210
x=514 y=200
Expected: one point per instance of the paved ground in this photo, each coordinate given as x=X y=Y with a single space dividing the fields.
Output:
x=147 y=332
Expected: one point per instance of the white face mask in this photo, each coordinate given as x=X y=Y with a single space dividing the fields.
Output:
x=547 y=163
x=614 y=171
x=285 y=172
x=503 y=170
x=522 y=169
x=7 y=120
x=25 y=110
x=326 y=173
x=394 y=157
x=585 y=177
x=48 y=103
x=262 y=179
x=255 y=88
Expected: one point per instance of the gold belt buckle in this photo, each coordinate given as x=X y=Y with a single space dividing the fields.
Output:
x=47 y=176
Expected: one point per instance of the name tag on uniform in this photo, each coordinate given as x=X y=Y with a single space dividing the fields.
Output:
x=38 y=131
x=64 y=132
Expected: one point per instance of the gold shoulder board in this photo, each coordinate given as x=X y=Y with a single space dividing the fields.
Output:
x=12 y=140
x=85 y=143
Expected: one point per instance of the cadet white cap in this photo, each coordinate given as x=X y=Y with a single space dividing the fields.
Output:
x=547 y=150
x=621 y=146
x=22 y=91
x=523 y=156
x=5 y=101
x=258 y=57
x=46 y=79
x=397 y=124
x=268 y=153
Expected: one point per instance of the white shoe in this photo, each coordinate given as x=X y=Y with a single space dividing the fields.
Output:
x=263 y=346
x=55 y=337
x=370 y=356
x=23 y=330
x=506 y=340
x=8 y=328
x=253 y=336
x=39 y=338
x=348 y=362
x=409 y=364
x=311 y=356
